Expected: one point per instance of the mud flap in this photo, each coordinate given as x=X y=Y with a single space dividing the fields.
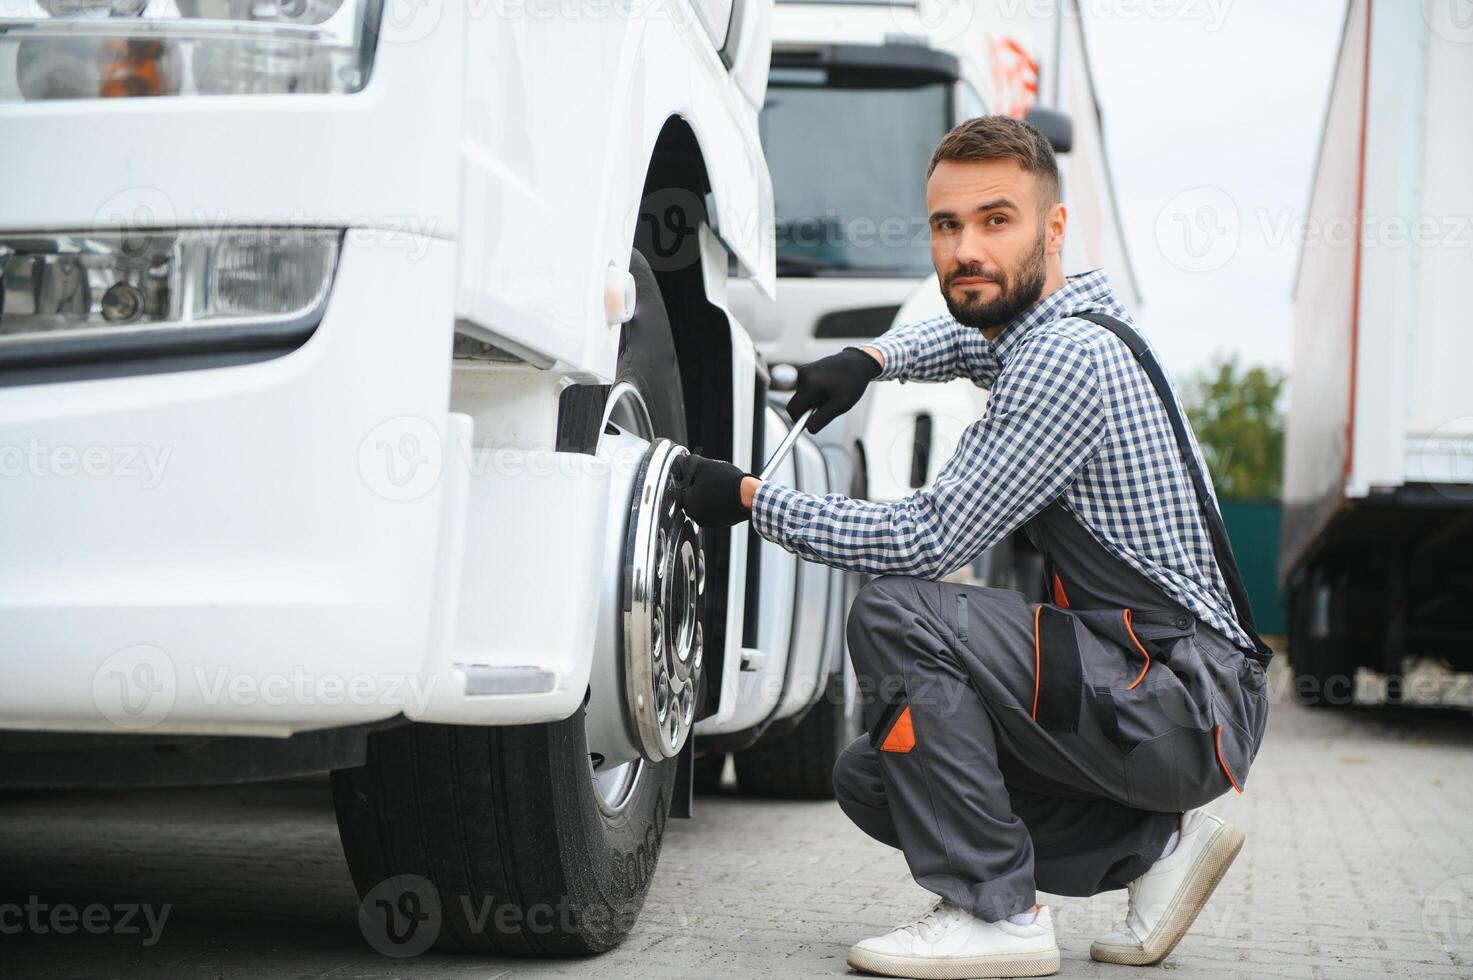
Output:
x=683 y=796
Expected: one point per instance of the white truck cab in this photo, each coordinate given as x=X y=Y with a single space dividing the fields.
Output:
x=345 y=347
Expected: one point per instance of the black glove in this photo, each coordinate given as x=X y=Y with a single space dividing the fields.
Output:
x=834 y=383
x=710 y=490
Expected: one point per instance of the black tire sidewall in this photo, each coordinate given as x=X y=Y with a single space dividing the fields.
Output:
x=605 y=861
x=618 y=852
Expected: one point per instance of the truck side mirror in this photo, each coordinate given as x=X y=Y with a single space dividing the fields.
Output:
x=1055 y=125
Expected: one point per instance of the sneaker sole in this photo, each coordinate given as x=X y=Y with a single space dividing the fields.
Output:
x=1039 y=964
x=1211 y=865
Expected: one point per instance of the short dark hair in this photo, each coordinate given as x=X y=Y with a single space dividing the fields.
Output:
x=1003 y=138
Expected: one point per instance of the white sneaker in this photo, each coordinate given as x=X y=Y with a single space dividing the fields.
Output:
x=1166 y=899
x=950 y=942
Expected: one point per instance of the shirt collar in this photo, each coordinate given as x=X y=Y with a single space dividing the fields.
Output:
x=1082 y=292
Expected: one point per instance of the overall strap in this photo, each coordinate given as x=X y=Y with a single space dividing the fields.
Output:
x=1223 y=550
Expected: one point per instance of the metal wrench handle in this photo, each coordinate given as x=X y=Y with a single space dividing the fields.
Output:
x=786 y=447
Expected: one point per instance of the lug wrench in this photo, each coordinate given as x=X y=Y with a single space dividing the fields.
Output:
x=789 y=441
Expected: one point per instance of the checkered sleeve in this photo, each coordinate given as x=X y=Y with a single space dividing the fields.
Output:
x=1044 y=423
x=935 y=349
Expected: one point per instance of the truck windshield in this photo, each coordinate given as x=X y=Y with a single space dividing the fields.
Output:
x=848 y=169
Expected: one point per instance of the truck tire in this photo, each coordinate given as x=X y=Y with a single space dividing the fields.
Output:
x=502 y=831
x=799 y=765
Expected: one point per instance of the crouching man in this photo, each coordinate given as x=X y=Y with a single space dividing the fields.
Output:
x=1066 y=746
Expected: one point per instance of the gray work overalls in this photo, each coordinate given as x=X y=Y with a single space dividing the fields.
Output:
x=1013 y=745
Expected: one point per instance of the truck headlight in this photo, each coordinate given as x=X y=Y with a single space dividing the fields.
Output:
x=84 y=284
x=84 y=49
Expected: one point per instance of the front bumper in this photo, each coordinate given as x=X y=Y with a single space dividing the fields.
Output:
x=241 y=549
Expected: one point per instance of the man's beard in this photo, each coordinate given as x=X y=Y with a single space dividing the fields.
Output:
x=1017 y=290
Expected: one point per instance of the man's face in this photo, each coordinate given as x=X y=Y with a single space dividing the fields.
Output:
x=988 y=240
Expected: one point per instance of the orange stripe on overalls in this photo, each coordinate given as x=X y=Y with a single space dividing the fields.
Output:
x=902 y=737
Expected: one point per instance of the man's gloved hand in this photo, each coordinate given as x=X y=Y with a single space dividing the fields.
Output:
x=834 y=383
x=710 y=490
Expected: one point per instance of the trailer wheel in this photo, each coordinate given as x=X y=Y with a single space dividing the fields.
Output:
x=1311 y=655
x=519 y=840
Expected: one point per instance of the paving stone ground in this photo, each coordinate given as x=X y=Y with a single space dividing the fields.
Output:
x=1359 y=863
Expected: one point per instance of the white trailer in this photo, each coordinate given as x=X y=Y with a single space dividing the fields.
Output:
x=1378 y=483
x=345 y=346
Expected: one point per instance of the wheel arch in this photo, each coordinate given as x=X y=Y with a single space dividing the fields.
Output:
x=675 y=203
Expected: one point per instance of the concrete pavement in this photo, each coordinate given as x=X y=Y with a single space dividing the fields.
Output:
x=1359 y=863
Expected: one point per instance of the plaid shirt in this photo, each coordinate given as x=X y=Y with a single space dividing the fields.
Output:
x=1070 y=413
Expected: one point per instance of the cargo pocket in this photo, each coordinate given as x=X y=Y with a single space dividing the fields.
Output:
x=1236 y=747
x=1172 y=771
x=1152 y=705
x=1240 y=713
x=892 y=731
x=1058 y=678
x=1147 y=711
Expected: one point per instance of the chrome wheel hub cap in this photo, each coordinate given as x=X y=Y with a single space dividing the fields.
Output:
x=663 y=587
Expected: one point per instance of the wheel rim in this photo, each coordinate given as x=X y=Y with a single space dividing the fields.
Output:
x=662 y=581
x=663 y=589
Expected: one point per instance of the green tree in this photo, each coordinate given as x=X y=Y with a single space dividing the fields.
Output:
x=1237 y=415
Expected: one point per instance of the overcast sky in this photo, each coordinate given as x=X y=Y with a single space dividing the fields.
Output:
x=1212 y=116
